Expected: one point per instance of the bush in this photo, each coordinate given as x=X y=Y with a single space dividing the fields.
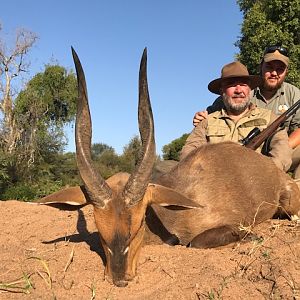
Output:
x=172 y=151
x=19 y=192
x=47 y=187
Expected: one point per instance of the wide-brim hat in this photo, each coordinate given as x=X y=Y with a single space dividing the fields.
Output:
x=231 y=71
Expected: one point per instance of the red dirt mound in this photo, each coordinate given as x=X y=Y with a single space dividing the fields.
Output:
x=47 y=253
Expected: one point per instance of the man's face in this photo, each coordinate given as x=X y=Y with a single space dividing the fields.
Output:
x=273 y=74
x=235 y=94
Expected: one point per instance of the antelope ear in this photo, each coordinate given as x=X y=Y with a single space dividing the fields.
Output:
x=74 y=195
x=163 y=196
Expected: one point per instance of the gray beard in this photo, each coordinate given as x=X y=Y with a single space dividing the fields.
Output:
x=235 y=109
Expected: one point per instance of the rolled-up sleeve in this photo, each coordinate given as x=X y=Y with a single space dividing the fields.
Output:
x=196 y=139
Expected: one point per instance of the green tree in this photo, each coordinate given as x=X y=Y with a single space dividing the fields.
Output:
x=41 y=110
x=172 y=151
x=98 y=149
x=4 y=177
x=108 y=163
x=131 y=154
x=47 y=176
x=270 y=22
x=32 y=123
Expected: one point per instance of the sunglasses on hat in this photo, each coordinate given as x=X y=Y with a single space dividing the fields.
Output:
x=280 y=49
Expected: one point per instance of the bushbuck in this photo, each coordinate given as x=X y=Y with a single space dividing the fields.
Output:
x=204 y=201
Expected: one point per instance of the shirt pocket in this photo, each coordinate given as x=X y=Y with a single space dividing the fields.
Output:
x=217 y=131
x=216 y=134
x=245 y=128
x=261 y=123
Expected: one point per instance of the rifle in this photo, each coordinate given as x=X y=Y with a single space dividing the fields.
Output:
x=256 y=137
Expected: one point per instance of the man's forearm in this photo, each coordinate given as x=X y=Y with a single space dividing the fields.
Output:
x=196 y=139
x=281 y=152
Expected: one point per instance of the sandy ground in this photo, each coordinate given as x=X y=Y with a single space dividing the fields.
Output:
x=47 y=253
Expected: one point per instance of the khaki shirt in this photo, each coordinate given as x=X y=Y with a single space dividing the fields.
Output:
x=219 y=127
x=284 y=98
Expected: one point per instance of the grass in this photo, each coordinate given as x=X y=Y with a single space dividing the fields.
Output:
x=20 y=285
x=93 y=290
x=69 y=260
x=258 y=263
x=47 y=278
x=24 y=283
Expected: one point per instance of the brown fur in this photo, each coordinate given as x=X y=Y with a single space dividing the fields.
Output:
x=236 y=186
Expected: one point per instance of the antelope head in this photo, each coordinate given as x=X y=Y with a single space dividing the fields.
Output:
x=119 y=208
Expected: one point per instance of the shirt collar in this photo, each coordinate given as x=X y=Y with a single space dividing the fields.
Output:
x=257 y=93
x=253 y=110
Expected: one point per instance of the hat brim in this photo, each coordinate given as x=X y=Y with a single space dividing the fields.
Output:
x=215 y=85
x=282 y=59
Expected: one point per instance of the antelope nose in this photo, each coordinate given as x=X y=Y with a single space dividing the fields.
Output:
x=121 y=283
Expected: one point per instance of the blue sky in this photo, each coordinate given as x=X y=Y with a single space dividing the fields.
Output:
x=188 y=42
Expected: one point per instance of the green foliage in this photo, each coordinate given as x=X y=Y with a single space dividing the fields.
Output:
x=270 y=22
x=32 y=123
x=245 y=5
x=4 y=176
x=64 y=169
x=28 y=192
x=131 y=154
x=98 y=149
x=108 y=163
x=172 y=151
x=49 y=174
x=19 y=192
x=46 y=186
x=41 y=110
x=54 y=170
x=50 y=97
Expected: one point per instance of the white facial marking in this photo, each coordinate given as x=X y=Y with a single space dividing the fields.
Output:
x=109 y=250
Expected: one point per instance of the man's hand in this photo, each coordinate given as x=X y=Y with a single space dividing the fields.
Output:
x=199 y=116
x=294 y=138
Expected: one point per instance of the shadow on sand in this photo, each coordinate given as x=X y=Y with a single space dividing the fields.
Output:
x=83 y=235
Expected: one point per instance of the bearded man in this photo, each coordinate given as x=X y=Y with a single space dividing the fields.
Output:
x=237 y=116
x=275 y=94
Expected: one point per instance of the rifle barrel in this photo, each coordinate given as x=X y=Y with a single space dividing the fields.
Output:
x=257 y=140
